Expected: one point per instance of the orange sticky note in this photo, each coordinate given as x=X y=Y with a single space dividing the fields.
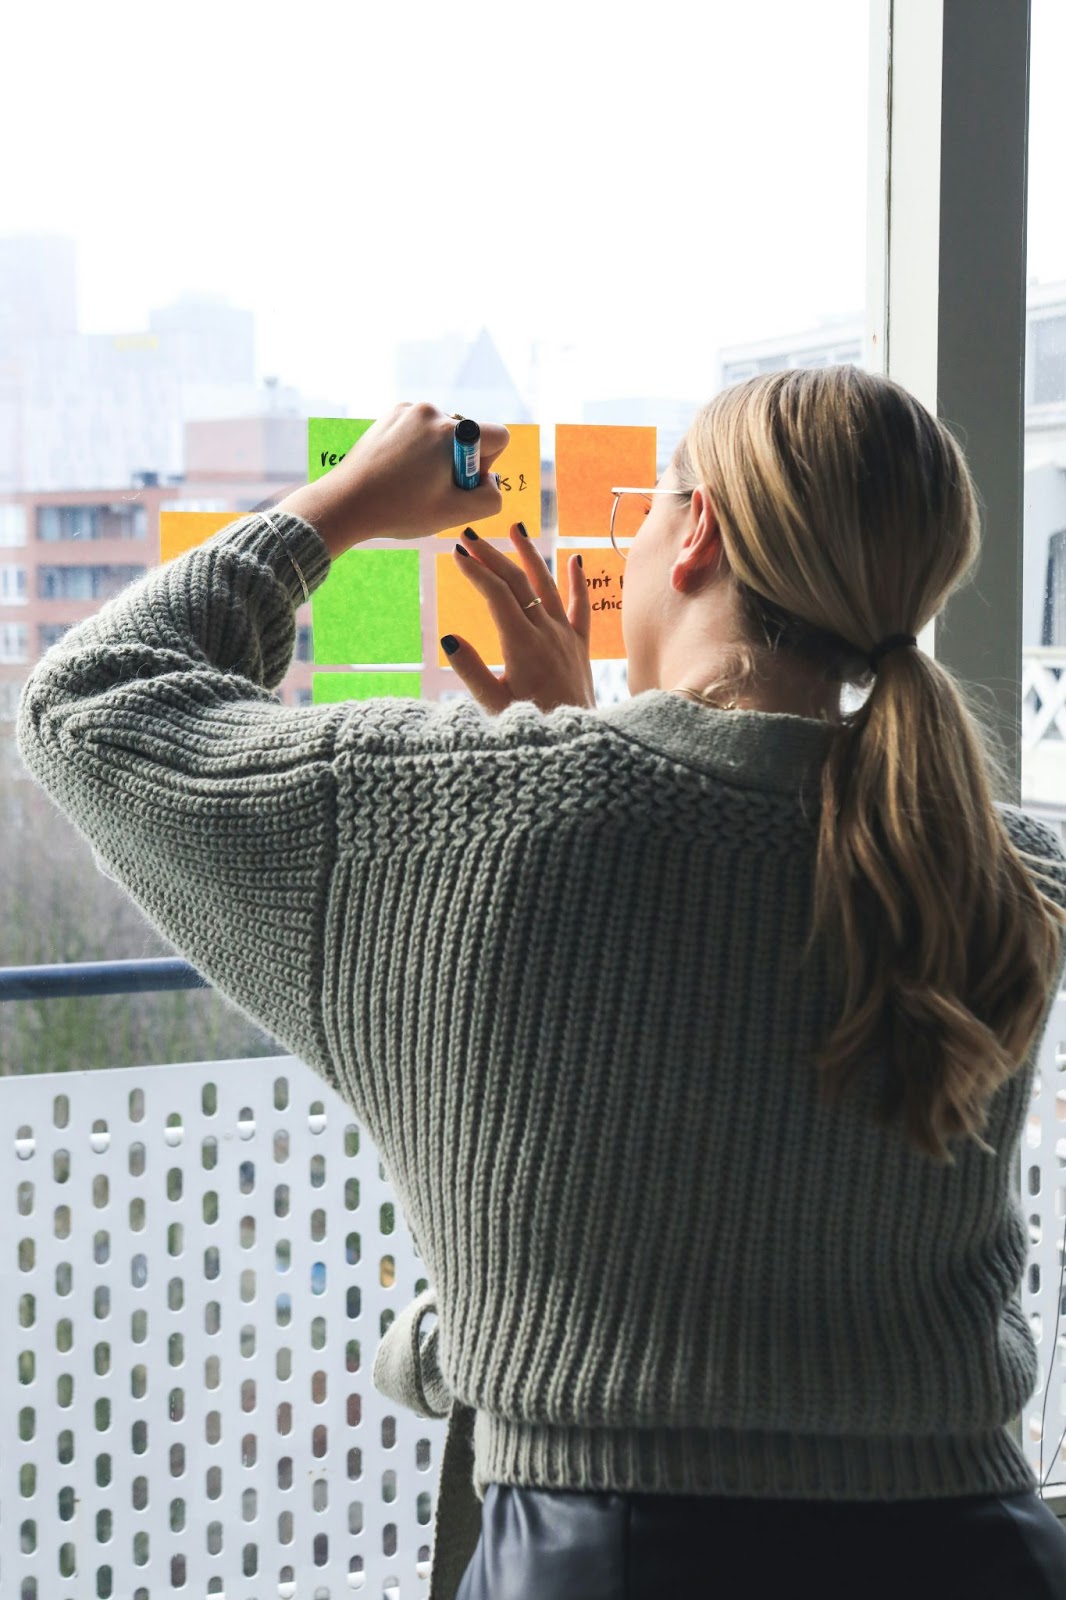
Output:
x=184 y=530
x=519 y=469
x=603 y=573
x=590 y=461
x=462 y=610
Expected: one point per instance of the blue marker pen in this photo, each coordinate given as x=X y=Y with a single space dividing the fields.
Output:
x=466 y=449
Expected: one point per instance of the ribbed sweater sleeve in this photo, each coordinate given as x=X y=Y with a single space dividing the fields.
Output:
x=152 y=726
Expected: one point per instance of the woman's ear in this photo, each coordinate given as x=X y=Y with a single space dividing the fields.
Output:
x=702 y=553
x=704 y=515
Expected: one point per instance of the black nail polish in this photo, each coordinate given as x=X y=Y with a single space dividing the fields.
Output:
x=449 y=644
x=522 y=530
x=468 y=533
x=579 y=560
x=463 y=552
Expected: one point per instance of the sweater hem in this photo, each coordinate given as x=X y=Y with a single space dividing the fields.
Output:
x=749 y=1463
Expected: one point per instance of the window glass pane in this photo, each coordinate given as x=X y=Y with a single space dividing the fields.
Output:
x=12 y=585
x=555 y=223
x=12 y=524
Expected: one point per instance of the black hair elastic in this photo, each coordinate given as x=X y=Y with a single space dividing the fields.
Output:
x=893 y=642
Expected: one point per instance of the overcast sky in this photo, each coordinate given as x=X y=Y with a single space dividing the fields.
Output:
x=646 y=183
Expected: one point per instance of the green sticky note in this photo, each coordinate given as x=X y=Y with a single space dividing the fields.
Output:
x=367 y=610
x=327 y=687
x=329 y=439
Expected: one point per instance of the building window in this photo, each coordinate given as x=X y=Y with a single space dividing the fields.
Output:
x=12 y=525
x=125 y=521
x=1054 y=629
x=50 y=633
x=10 y=695
x=303 y=642
x=12 y=586
x=14 y=641
x=84 y=583
x=1047 y=361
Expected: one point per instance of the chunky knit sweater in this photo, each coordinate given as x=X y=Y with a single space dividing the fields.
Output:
x=551 y=962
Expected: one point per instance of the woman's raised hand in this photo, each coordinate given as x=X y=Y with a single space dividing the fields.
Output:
x=545 y=647
x=396 y=482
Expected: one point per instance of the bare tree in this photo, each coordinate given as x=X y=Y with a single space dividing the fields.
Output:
x=55 y=906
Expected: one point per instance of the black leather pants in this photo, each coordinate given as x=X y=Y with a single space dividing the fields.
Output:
x=551 y=1544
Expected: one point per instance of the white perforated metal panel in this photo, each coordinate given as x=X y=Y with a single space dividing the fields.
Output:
x=201 y=1260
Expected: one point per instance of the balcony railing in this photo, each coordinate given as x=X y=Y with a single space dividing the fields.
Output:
x=1043 y=730
x=203 y=1257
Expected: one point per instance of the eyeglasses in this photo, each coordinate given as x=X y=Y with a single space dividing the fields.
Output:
x=645 y=494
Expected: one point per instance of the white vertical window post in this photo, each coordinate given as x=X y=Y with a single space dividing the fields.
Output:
x=946 y=275
x=946 y=288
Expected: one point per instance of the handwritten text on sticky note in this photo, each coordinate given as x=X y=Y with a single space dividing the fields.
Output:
x=604 y=576
x=328 y=441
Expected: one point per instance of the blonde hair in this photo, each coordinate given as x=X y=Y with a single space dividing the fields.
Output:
x=847 y=513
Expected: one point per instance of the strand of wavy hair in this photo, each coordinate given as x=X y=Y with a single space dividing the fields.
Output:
x=949 y=976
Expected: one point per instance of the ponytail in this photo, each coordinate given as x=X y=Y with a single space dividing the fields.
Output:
x=848 y=514
x=949 y=948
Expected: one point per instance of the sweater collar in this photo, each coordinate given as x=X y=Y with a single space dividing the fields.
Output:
x=764 y=749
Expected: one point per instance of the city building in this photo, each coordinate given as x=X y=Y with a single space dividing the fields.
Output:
x=91 y=410
x=835 y=340
x=456 y=374
x=64 y=552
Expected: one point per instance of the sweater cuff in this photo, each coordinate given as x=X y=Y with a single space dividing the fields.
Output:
x=274 y=542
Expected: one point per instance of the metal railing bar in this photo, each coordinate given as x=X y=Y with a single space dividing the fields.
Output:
x=68 y=979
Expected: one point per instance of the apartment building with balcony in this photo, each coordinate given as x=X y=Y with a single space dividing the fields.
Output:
x=64 y=552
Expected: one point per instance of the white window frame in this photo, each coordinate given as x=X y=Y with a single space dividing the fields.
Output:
x=14 y=643
x=12 y=525
x=948 y=136
x=12 y=584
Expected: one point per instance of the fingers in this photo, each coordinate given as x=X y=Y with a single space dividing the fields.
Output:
x=475 y=676
x=579 y=611
x=494 y=440
x=531 y=581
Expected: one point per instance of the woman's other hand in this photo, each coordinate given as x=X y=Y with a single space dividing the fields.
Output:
x=545 y=648
x=396 y=482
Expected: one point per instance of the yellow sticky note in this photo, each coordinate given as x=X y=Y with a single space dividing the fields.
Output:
x=463 y=611
x=604 y=574
x=519 y=469
x=184 y=530
x=590 y=461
